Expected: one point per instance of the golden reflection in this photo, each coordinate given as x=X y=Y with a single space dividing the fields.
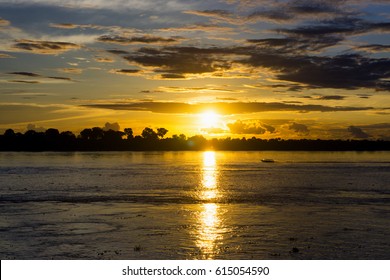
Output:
x=209 y=177
x=208 y=218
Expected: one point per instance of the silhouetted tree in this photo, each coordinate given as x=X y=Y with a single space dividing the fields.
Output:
x=96 y=139
x=161 y=132
x=86 y=134
x=9 y=133
x=149 y=134
x=97 y=133
x=129 y=133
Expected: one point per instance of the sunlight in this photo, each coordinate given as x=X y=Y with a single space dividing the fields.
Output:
x=208 y=234
x=209 y=119
x=209 y=176
x=209 y=160
x=208 y=218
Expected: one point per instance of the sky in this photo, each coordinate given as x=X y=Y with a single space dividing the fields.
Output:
x=286 y=69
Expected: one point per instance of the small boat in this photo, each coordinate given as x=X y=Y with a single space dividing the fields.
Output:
x=267 y=160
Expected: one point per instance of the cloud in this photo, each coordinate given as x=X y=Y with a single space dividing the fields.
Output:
x=374 y=48
x=44 y=47
x=296 y=44
x=4 y=22
x=172 y=76
x=118 y=52
x=60 y=78
x=174 y=62
x=5 y=55
x=240 y=127
x=71 y=70
x=205 y=27
x=222 y=15
x=28 y=74
x=364 y=96
x=357 y=132
x=350 y=71
x=338 y=26
x=36 y=78
x=331 y=97
x=226 y=98
x=115 y=5
x=220 y=107
x=269 y=128
x=111 y=126
x=104 y=59
x=64 y=25
x=297 y=10
x=347 y=71
x=35 y=128
x=116 y=39
x=298 y=128
x=377 y=126
x=127 y=72
x=24 y=81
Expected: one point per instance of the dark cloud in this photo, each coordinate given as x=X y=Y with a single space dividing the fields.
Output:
x=44 y=47
x=28 y=74
x=298 y=128
x=338 y=26
x=128 y=72
x=174 y=62
x=377 y=126
x=118 y=52
x=273 y=15
x=221 y=107
x=331 y=97
x=296 y=10
x=348 y=71
x=374 y=48
x=343 y=71
x=357 y=132
x=60 y=78
x=34 y=75
x=115 y=39
x=297 y=44
x=269 y=128
x=24 y=82
x=172 y=76
x=364 y=96
x=111 y=126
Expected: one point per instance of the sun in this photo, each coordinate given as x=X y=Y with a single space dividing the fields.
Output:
x=209 y=119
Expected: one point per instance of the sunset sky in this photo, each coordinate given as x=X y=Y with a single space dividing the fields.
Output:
x=265 y=68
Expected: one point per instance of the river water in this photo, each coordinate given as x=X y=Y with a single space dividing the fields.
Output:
x=195 y=205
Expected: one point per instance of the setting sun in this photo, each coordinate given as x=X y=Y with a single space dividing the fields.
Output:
x=209 y=119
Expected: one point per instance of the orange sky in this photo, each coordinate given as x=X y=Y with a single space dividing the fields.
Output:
x=289 y=69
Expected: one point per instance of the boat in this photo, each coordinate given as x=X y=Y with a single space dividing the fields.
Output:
x=267 y=160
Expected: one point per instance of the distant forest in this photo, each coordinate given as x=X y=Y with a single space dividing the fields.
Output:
x=98 y=139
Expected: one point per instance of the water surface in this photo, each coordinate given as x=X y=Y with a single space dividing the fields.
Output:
x=195 y=205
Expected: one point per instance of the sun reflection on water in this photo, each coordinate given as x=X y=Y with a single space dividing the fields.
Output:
x=208 y=219
x=209 y=177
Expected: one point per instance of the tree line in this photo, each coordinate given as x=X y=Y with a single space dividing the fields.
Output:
x=98 y=139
